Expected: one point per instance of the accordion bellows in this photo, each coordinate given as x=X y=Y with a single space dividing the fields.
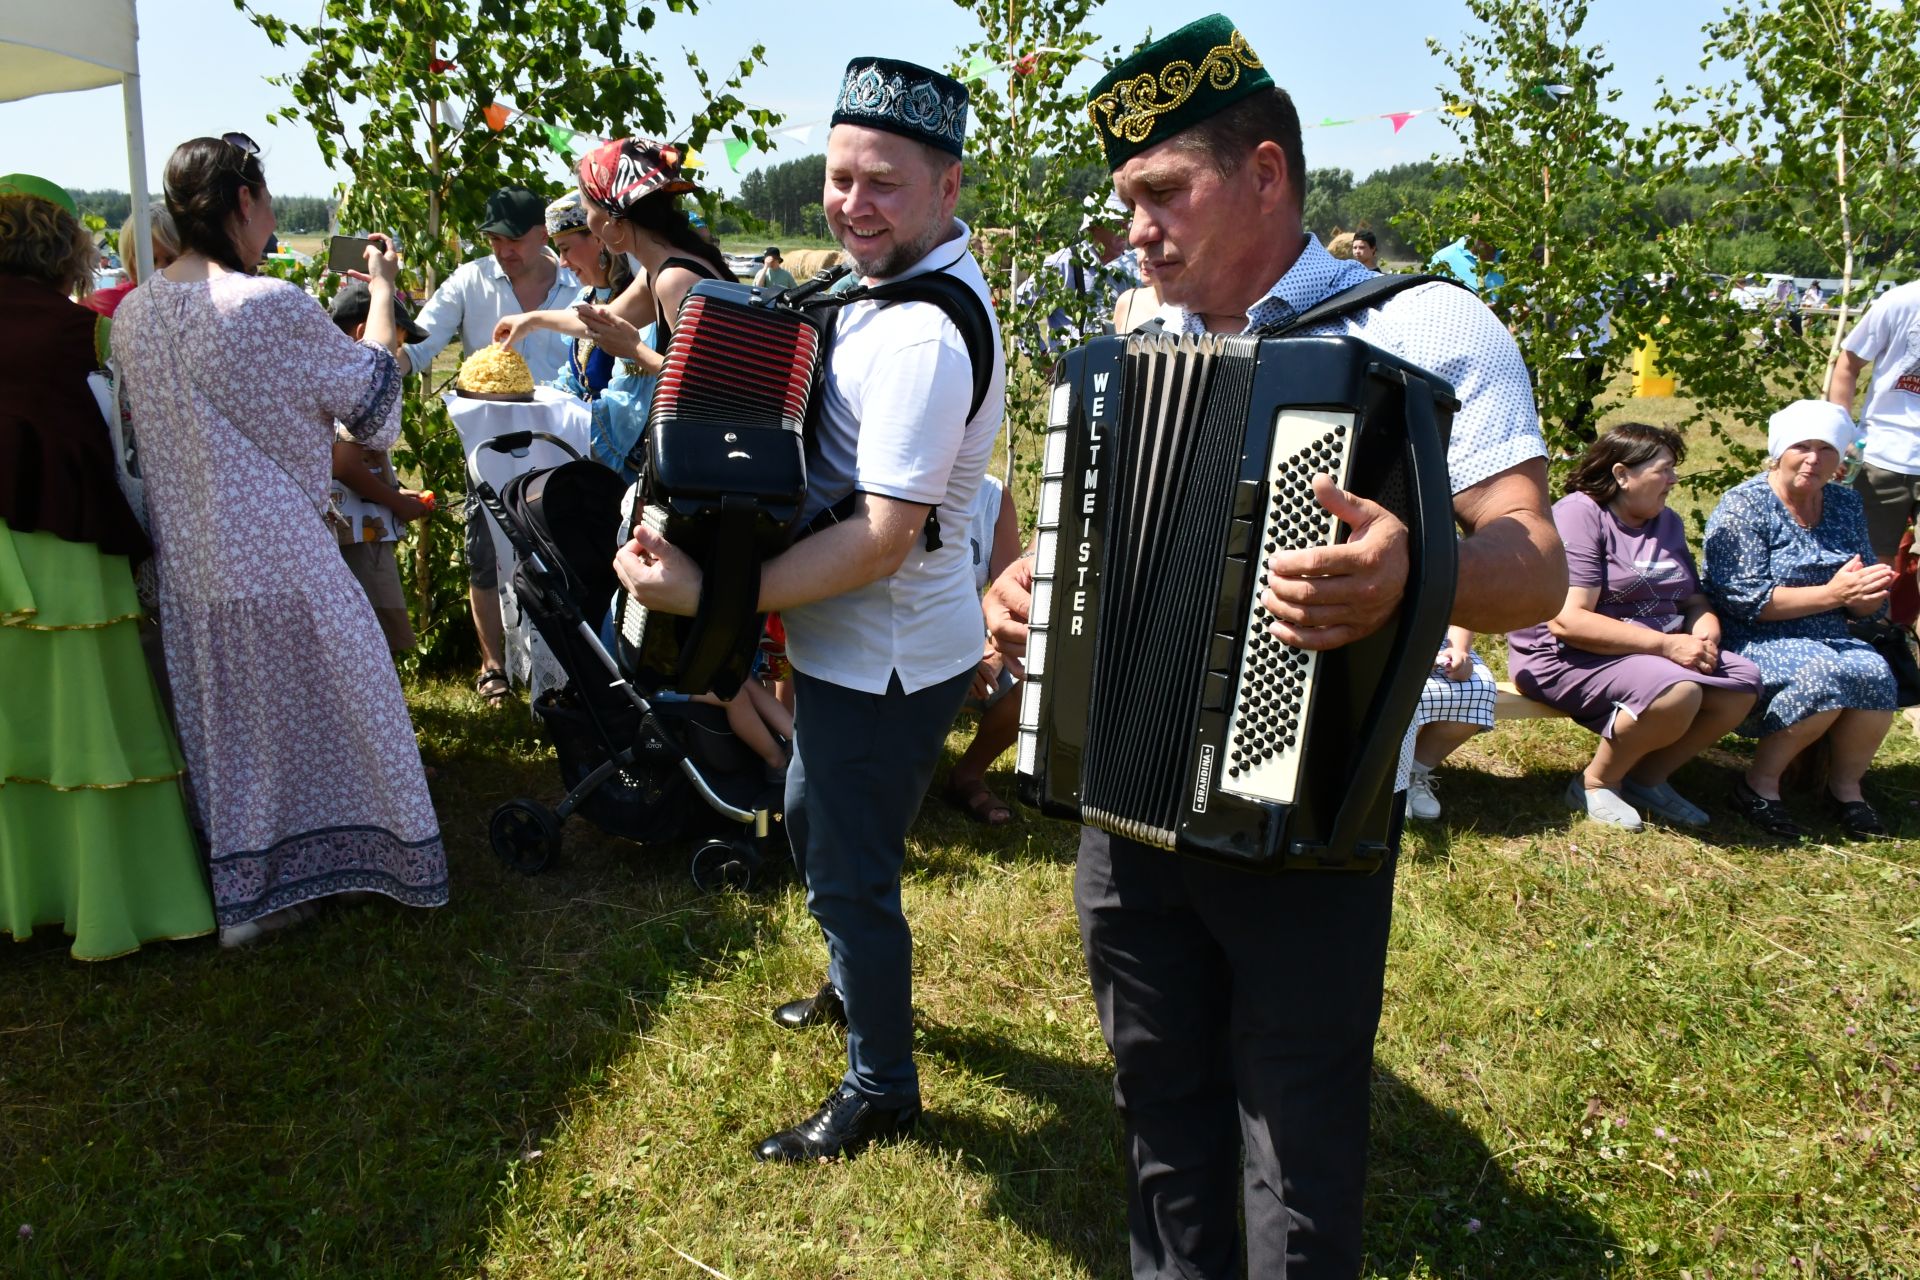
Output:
x=1158 y=706
x=495 y=370
x=723 y=478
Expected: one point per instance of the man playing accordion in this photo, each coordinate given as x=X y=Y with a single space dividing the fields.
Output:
x=1241 y=1009
x=883 y=626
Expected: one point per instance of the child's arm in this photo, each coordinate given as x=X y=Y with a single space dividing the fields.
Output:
x=350 y=469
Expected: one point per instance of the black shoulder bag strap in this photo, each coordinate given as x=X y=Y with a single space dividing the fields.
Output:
x=1361 y=297
x=1364 y=296
x=969 y=315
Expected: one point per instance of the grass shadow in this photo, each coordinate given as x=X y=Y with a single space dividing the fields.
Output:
x=1439 y=1202
x=193 y=1111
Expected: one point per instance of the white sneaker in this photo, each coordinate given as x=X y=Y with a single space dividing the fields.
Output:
x=1602 y=805
x=1421 y=802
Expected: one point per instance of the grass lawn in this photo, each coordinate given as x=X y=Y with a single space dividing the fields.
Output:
x=1603 y=1054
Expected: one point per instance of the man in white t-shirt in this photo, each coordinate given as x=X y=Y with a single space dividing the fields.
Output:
x=884 y=628
x=1888 y=338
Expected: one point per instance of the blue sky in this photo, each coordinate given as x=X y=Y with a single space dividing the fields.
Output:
x=205 y=70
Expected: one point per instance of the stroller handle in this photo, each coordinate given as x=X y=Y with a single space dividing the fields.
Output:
x=513 y=442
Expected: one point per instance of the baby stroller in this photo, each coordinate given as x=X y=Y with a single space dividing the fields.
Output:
x=632 y=766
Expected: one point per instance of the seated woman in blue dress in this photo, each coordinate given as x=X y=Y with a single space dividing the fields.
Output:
x=604 y=367
x=1787 y=561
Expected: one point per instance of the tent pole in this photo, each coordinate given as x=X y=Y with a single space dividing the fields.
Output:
x=137 y=173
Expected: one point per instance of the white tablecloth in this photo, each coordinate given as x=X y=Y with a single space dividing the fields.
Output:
x=529 y=661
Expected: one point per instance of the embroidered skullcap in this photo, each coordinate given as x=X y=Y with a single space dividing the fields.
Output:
x=1805 y=420
x=1171 y=85
x=620 y=174
x=568 y=213
x=904 y=98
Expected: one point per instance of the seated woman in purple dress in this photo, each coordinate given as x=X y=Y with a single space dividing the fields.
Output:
x=1788 y=561
x=1634 y=655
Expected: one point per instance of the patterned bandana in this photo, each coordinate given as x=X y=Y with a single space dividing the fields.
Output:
x=903 y=98
x=620 y=174
x=1171 y=85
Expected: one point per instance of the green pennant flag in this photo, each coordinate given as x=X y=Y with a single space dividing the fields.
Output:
x=559 y=139
x=978 y=68
x=736 y=152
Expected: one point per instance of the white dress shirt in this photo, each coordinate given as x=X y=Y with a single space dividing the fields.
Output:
x=894 y=423
x=475 y=298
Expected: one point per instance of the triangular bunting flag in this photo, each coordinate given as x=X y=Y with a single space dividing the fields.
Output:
x=1551 y=92
x=559 y=139
x=1329 y=122
x=736 y=152
x=1400 y=119
x=977 y=68
x=451 y=113
x=1460 y=109
x=497 y=117
x=690 y=159
x=802 y=134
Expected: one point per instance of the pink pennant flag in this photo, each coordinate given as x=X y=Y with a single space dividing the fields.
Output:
x=1400 y=119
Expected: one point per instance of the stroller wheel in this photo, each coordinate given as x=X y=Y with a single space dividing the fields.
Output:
x=525 y=835
x=723 y=864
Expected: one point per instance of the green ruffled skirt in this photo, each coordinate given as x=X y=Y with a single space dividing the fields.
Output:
x=94 y=834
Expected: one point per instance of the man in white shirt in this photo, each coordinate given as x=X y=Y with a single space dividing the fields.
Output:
x=883 y=627
x=521 y=274
x=1241 y=1008
x=1888 y=338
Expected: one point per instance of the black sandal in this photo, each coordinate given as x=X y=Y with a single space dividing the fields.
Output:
x=493 y=686
x=1770 y=816
x=1858 y=819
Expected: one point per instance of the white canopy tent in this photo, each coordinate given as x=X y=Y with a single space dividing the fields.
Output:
x=81 y=44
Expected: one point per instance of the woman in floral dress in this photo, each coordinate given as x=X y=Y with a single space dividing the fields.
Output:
x=299 y=750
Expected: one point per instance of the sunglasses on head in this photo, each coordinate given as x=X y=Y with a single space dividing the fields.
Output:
x=241 y=141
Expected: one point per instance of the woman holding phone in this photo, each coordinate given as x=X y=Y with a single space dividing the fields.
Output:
x=301 y=755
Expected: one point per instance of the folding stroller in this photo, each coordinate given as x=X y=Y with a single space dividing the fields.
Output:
x=632 y=765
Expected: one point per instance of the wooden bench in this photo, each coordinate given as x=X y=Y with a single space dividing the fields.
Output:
x=1510 y=704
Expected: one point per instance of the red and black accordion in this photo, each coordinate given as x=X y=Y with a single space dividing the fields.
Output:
x=1157 y=706
x=723 y=477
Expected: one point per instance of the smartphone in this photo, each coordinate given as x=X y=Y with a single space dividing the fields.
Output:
x=347 y=253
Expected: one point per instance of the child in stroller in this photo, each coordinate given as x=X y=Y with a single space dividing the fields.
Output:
x=633 y=764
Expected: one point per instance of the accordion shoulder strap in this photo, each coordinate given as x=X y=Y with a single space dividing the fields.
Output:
x=1364 y=296
x=1361 y=297
x=962 y=305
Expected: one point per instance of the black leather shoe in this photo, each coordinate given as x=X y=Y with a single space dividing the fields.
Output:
x=1858 y=819
x=843 y=1126
x=824 y=1007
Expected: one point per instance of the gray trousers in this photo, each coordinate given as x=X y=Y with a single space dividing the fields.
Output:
x=1241 y=1010
x=862 y=763
x=1891 y=499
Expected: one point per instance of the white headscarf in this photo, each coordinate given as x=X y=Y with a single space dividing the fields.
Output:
x=1804 y=420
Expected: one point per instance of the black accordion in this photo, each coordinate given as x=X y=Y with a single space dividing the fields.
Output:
x=723 y=477
x=1157 y=706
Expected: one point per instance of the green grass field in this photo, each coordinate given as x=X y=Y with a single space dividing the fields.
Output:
x=1603 y=1054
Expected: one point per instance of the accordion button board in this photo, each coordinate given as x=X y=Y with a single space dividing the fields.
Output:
x=1158 y=706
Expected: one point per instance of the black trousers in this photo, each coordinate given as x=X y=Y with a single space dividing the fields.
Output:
x=1241 y=1012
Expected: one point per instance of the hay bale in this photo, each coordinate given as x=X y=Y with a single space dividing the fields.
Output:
x=805 y=263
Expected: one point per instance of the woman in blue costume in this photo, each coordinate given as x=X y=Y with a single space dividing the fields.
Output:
x=604 y=368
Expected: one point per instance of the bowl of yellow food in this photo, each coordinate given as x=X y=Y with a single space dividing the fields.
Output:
x=495 y=373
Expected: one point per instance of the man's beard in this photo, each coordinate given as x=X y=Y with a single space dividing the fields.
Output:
x=903 y=255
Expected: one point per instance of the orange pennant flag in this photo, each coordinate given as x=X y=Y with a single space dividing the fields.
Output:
x=497 y=117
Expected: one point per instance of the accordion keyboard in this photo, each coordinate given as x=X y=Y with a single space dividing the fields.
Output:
x=1275 y=681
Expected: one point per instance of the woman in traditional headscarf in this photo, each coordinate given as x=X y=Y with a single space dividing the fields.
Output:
x=632 y=187
x=1788 y=563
